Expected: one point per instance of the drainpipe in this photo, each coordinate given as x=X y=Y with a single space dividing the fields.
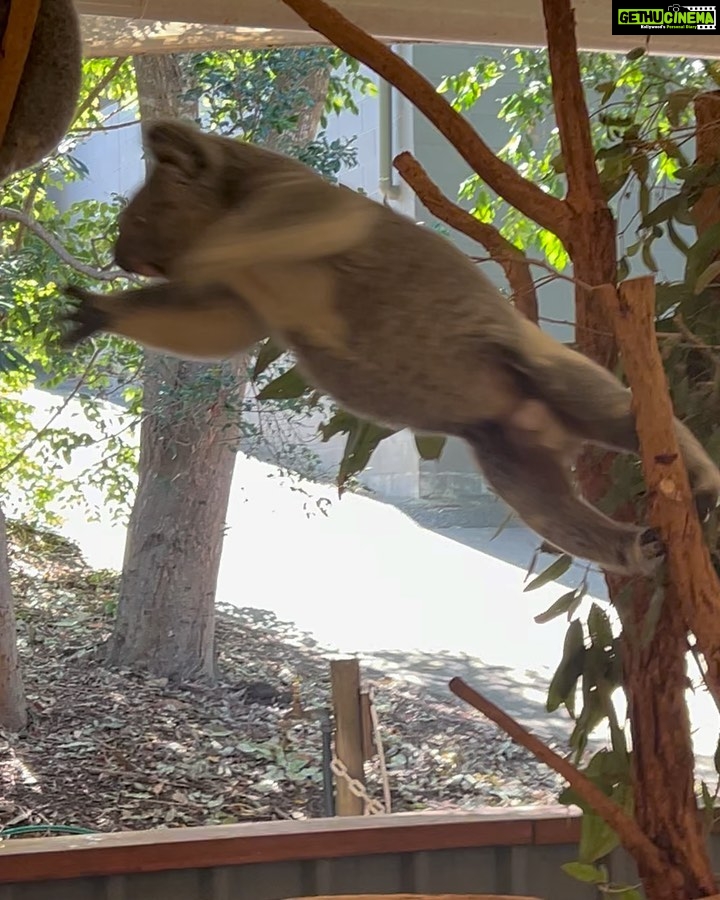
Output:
x=388 y=188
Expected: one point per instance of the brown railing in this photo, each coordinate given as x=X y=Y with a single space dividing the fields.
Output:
x=159 y=850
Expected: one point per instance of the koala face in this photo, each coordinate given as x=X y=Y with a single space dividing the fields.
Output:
x=181 y=197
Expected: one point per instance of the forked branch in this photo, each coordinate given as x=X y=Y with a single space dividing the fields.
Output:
x=511 y=258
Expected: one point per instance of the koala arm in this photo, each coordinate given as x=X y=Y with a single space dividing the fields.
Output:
x=193 y=323
x=292 y=218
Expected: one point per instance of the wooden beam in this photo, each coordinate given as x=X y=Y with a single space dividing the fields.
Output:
x=15 y=46
x=345 y=680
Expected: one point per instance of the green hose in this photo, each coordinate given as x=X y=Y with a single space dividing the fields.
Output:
x=19 y=830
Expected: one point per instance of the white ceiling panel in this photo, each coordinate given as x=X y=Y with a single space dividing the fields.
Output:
x=118 y=27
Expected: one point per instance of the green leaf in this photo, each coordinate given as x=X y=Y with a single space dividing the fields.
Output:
x=503 y=525
x=267 y=355
x=640 y=165
x=702 y=253
x=607 y=89
x=558 y=608
x=599 y=627
x=287 y=386
x=361 y=443
x=713 y=70
x=584 y=872
x=430 y=446
x=662 y=212
x=707 y=797
x=635 y=53
x=647 y=256
x=556 y=568
x=676 y=104
x=623 y=269
x=705 y=278
x=675 y=238
x=597 y=838
x=569 y=670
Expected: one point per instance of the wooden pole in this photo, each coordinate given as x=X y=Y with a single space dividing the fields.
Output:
x=345 y=680
x=15 y=46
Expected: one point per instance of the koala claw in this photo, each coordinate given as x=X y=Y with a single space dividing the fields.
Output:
x=84 y=319
x=648 y=552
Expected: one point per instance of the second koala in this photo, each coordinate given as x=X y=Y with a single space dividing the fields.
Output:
x=386 y=316
x=48 y=92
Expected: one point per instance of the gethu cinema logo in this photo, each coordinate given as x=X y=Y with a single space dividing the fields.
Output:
x=677 y=16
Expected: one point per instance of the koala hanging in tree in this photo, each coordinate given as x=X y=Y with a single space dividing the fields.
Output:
x=47 y=94
x=387 y=317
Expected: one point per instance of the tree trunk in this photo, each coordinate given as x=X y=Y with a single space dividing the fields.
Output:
x=13 y=712
x=655 y=677
x=188 y=439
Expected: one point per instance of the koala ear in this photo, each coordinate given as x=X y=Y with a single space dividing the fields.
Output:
x=179 y=145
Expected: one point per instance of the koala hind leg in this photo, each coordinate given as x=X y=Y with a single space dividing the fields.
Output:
x=535 y=481
x=614 y=427
x=598 y=408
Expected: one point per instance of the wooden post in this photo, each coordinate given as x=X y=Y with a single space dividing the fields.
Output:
x=366 y=724
x=345 y=679
x=15 y=46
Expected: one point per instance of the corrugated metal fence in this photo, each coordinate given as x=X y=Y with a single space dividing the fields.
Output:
x=505 y=852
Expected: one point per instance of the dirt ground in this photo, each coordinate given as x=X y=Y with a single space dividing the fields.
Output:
x=110 y=750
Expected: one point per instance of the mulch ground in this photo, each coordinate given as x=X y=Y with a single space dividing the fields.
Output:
x=111 y=750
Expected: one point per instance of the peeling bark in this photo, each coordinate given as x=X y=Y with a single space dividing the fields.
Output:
x=655 y=674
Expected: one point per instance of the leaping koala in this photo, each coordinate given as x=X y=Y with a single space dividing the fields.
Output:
x=387 y=317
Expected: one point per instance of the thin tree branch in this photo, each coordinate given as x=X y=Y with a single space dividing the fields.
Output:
x=41 y=432
x=510 y=257
x=532 y=201
x=626 y=828
x=692 y=577
x=15 y=215
x=571 y=112
x=100 y=86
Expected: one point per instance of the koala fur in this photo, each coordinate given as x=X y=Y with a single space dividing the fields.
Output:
x=387 y=317
x=49 y=87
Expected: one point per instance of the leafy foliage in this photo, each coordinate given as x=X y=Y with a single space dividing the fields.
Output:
x=642 y=122
x=253 y=94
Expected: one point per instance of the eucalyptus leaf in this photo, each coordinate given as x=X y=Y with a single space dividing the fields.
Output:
x=430 y=446
x=560 y=606
x=267 y=355
x=584 y=872
x=555 y=570
x=597 y=838
x=706 y=277
x=290 y=385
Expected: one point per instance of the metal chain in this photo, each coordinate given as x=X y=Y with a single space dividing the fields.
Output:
x=371 y=807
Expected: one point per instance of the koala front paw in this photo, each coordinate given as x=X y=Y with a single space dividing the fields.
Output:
x=82 y=320
x=647 y=553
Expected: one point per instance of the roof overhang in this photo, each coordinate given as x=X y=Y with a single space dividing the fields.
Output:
x=121 y=27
